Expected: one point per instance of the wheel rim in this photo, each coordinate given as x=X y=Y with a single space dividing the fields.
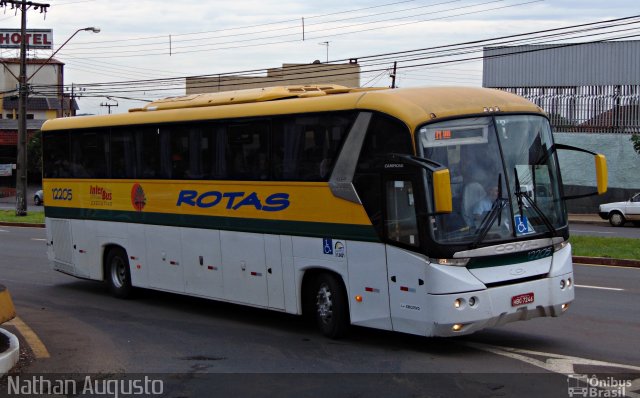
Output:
x=324 y=304
x=616 y=218
x=118 y=272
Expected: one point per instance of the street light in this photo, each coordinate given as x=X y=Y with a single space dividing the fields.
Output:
x=23 y=92
x=89 y=29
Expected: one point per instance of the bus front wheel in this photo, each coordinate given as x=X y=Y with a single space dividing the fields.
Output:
x=331 y=306
x=117 y=273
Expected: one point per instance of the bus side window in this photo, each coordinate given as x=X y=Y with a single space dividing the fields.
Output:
x=401 y=223
x=147 y=151
x=57 y=155
x=247 y=150
x=122 y=154
x=305 y=147
x=180 y=154
x=89 y=154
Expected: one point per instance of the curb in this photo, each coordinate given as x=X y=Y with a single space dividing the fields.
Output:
x=7 y=309
x=9 y=358
x=21 y=224
x=606 y=261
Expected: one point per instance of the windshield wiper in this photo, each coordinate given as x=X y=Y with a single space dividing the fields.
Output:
x=520 y=194
x=490 y=218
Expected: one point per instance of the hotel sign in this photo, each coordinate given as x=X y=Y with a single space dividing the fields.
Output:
x=40 y=39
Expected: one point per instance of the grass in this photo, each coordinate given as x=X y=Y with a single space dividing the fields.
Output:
x=32 y=217
x=620 y=248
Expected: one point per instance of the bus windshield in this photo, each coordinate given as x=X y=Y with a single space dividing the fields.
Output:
x=504 y=178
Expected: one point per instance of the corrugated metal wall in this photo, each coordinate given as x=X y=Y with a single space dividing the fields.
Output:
x=589 y=64
x=587 y=87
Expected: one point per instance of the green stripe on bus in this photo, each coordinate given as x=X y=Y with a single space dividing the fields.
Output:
x=277 y=227
x=508 y=259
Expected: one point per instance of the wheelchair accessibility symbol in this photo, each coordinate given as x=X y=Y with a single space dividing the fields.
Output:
x=522 y=224
x=327 y=245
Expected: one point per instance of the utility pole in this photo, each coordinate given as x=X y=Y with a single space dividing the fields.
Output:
x=393 y=75
x=109 y=106
x=23 y=92
x=326 y=43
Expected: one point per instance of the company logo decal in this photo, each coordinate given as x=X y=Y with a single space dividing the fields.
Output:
x=138 y=198
x=233 y=200
x=100 y=196
x=339 y=249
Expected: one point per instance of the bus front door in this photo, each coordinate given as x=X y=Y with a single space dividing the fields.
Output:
x=406 y=268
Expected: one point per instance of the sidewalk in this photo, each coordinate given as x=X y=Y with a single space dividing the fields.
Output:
x=586 y=219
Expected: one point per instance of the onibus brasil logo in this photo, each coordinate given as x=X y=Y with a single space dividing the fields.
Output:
x=580 y=385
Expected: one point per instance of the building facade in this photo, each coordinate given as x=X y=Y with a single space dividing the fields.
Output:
x=46 y=100
x=289 y=75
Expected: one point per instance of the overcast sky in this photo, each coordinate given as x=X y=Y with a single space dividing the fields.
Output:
x=146 y=39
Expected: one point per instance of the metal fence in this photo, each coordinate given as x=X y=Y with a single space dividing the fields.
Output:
x=602 y=109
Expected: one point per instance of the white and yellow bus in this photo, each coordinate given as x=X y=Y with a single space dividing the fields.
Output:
x=431 y=211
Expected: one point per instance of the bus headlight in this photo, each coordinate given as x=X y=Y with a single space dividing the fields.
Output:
x=559 y=246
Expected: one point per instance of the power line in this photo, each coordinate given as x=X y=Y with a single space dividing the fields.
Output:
x=253 y=26
x=422 y=55
x=296 y=27
x=504 y=40
x=208 y=47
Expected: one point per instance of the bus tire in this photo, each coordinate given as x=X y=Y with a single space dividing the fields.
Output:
x=117 y=273
x=331 y=306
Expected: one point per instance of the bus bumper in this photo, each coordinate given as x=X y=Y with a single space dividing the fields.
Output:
x=464 y=313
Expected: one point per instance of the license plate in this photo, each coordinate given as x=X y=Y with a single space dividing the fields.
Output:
x=522 y=299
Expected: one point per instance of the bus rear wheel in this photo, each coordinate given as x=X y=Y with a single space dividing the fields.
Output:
x=331 y=306
x=117 y=273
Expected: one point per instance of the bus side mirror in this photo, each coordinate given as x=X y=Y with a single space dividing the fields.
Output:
x=443 y=202
x=600 y=169
x=601 y=173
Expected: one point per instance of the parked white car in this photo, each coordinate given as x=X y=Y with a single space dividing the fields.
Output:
x=620 y=212
x=38 y=198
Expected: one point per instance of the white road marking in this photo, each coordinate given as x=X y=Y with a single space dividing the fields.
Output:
x=600 y=288
x=3 y=230
x=40 y=239
x=562 y=364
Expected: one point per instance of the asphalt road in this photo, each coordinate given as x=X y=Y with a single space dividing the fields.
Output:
x=605 y=230
x=195 y=345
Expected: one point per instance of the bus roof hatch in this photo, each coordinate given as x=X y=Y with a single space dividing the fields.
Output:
x=243 y=97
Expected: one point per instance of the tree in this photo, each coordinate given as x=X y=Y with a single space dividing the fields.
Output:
x=34 y=155
x=635 y=138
